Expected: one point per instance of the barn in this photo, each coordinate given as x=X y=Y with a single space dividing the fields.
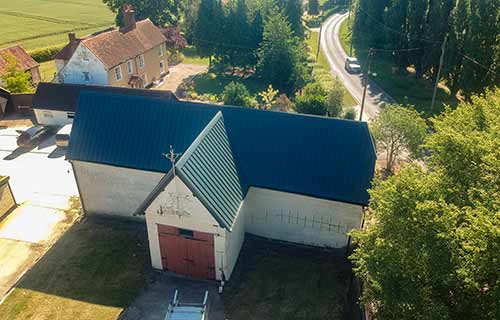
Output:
x=202 y=176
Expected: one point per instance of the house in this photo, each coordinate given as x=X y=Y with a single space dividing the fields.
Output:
x=24 y=62
x=202 y=176
x=132 y=56
x=55 y=104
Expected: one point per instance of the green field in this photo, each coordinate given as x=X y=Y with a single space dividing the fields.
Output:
x=41 y=23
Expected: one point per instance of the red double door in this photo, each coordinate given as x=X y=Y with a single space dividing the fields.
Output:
x=187 y=252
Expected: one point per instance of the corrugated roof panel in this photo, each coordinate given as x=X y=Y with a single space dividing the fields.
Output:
x=315 y=156
x=209 y=167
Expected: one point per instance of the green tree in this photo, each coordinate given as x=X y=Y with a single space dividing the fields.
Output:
x=15 y=80
x=350 y=114
x=312 y=100
x=398 y=129
x=161 y=12
x=236 y=94
x=268 y=97
x=335 y=100
x=294 y=12
x=282 y=57
x=313 y=7
x=238 y=43
x=432 y=242
x=208 y=29
x=257 y=32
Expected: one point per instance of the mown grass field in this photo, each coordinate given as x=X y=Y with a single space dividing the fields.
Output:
x=41 y=23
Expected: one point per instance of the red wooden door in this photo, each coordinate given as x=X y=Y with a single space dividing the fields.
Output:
x=187 y=252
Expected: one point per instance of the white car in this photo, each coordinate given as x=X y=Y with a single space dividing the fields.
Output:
x=352 y=65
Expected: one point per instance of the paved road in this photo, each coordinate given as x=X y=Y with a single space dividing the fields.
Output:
x=336 y=56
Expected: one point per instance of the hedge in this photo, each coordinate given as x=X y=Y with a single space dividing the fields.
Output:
x=47 y=53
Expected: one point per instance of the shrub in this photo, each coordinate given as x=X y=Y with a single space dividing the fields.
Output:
x=312 y=100
x=335 y=100
x=175 y=58
x=350 y=114
x=45 y=54
x=236 y=94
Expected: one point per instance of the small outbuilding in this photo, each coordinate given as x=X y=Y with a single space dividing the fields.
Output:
x=55 y=104
x=24 y=62
x=202 y=176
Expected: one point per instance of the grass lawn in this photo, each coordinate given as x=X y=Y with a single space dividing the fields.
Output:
x=321 y=69
x=47 y=70
x=93 y=272
x=404 y=88
x=273 y=282
x=213 y=84
x=191 y=57
x=41 y=23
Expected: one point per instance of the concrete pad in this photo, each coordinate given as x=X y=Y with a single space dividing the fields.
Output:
x=15 y=258
x=30 y=224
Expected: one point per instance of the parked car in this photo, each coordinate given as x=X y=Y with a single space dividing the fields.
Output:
x=33 y=136
x=352 y=65
x=62 y=136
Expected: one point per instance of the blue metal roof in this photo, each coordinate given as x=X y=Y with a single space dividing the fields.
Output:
x=320 y=157
x=208 y=168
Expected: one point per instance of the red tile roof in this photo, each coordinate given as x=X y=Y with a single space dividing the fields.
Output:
x=115 y=47
x=24 y=60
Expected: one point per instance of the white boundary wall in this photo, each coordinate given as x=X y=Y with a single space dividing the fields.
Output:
x=53 y=117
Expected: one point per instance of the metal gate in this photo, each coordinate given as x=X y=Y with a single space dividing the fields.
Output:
x=187 y=252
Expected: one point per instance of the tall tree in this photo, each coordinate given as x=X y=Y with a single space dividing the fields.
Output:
x=432 y=242
x=282 y=56
x=161 y=12
x=397 y=130
x=257 y=31
x=238 y=46
x=208 y=29
x=313 y=8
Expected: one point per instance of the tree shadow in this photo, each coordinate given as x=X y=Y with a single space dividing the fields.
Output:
x=99 y=261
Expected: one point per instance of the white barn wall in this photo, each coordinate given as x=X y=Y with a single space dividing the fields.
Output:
x=199 y=219
x=234 y=242
x=300 y=219
x=72 y=72
x=52 y=117
x=112 y=190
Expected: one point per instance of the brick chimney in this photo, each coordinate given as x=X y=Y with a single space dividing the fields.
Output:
x=71 y=37
x=128 y=18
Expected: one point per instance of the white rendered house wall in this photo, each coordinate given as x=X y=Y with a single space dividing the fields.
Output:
x=83 y=68
x=53 y=117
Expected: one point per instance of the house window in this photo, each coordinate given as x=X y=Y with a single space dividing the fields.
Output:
x=86 y=76
x=162 y=66
x=160 y=50
x=71 y=115
x=130 y=67
x=85 y=56
x=186 y=233
x=118 y=73
x=141 y=61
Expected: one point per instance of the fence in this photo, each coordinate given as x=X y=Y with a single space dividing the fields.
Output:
x=7 y=200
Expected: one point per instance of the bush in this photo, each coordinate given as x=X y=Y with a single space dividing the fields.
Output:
x=236 y=94
x=350 y=114
x=335 y=100
x=45 y=54
x=312 y=100
x=175 y=58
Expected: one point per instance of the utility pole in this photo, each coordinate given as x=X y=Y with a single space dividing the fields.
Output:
x=319 y=41
x=367 y=76
x=438 y=76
